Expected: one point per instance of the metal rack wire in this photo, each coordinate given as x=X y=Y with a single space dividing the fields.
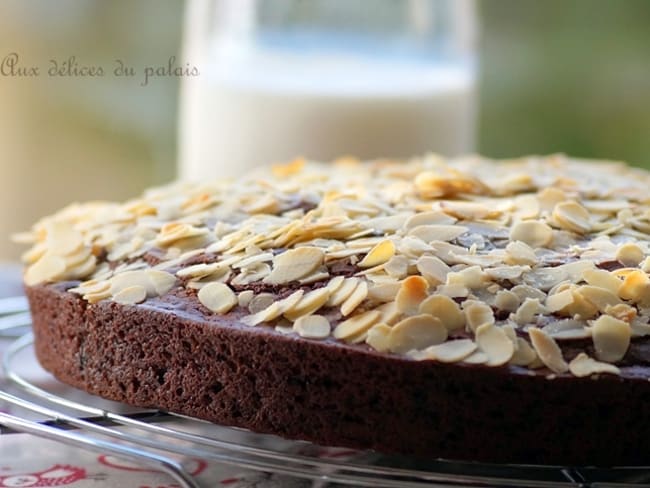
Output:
x=166 y=441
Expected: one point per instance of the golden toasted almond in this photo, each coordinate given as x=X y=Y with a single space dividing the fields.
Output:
x=62 y=239
x=477 y=314
x=379 y=254
x=548 y=350
x=506 y=300
x=312 y=327
x=356 y=325
x=630 y=254
x=524 y=354
x=583 y=365
x=572 y=216
x=412 y=292
x=288 y=169
x=416 y=332
x=532 y=232
x=611 y=338
x=294 y=264
x=451 y=351
x=444 y=309
x=622 y=311
x=217 y=297
x=429 y=233
x=433 y=269
x=635 y=287
x=602 y=279
x=495 y=343
x=354 y=300
x=518 y=252
x=377 y=337
x=343 y=292
x=131 y=295
x=309 y=303
x=49 y=267
x=435 y=185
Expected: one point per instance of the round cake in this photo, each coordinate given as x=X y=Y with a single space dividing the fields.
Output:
x=464 y=309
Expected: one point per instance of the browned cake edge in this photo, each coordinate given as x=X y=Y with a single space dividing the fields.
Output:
x=336 y=394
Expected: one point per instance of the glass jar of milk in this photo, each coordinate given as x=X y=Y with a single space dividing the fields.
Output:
x=325 y=78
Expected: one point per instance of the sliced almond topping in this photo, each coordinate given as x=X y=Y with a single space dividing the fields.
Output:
x=429 y=233
x=599 y=297
x=494 y=342
x=433 y=269
x=622 y=311
x=477 y=357
x=271 y=312
x=131 y=278
x=131 y=295
x=335 y=283
x=49 y=267
x=506 y=300
x=550 y=197
x=309 y=303
x=583 y=365
x=572 y=216
x=428 y=218
x=557 y=302
x=356 y=325
x=611 y=338
x=630 y=254
x=354 y=300
x=377 y=337
x=260 y=302
x=312 y=327
x=524 y=354
x=384 y=292
x=244 y=298
x=635 y=287
x=469 y=210
x=471 y=277
x=161 y=281
x=397 y=267
x=343 y=292
x=417 y=332
x=477 y=314
x=451 y=351
x=294 y=264
x=602 y=279
x=389 y=313
x=411 y=293
x=548 y=350
x=217 y=297
x=527 y=311
x=520 y=253
x=532 y=232
x=444 y=309
x=379 y=254
x=62 y=238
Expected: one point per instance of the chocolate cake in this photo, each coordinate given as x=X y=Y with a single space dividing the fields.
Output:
x=464 y=309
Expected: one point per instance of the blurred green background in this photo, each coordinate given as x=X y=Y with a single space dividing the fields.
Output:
x=556 y=76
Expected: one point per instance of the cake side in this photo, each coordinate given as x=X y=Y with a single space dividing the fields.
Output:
x=332 y=393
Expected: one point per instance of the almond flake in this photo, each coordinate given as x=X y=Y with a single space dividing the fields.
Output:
x=389 y=313
x=417 y=332
x=635 y=287
x=548 y=350
x=477 y=357
x=428 y=218
x=599 y=297
x=356 y=325
x=494 y=342
x=532 y=232
x=294 y=264
x=471 y=277
x=433 y=269
x=520 y=253
x=451 y=351
x=430 y=233
x=444 y=309
x=260 y=302
x=558 y=302
x=309 y=303
x=468 y=210
x=269 y=313
x=354 y=300
x=603 y=279
x=62 y=238
x=312 y=327
x=622 y=311
x=379 y=254
x=582 y=365
x=377 y=337
x=477 y=314
x=343 y=292
x=611 y=338
x=630 y=254
x=527 y=311
x=397 y=267
x=384 y=292
x=48 y=268
x=506 y=300
x=244 y=298
x=524 y=354
x=335 y=283
x=217 y=297
x=572 y=216
x=412 y=292
x=131 y=295
x=161 y=281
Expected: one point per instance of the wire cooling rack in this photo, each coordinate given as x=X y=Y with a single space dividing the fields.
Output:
x=167 y=442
